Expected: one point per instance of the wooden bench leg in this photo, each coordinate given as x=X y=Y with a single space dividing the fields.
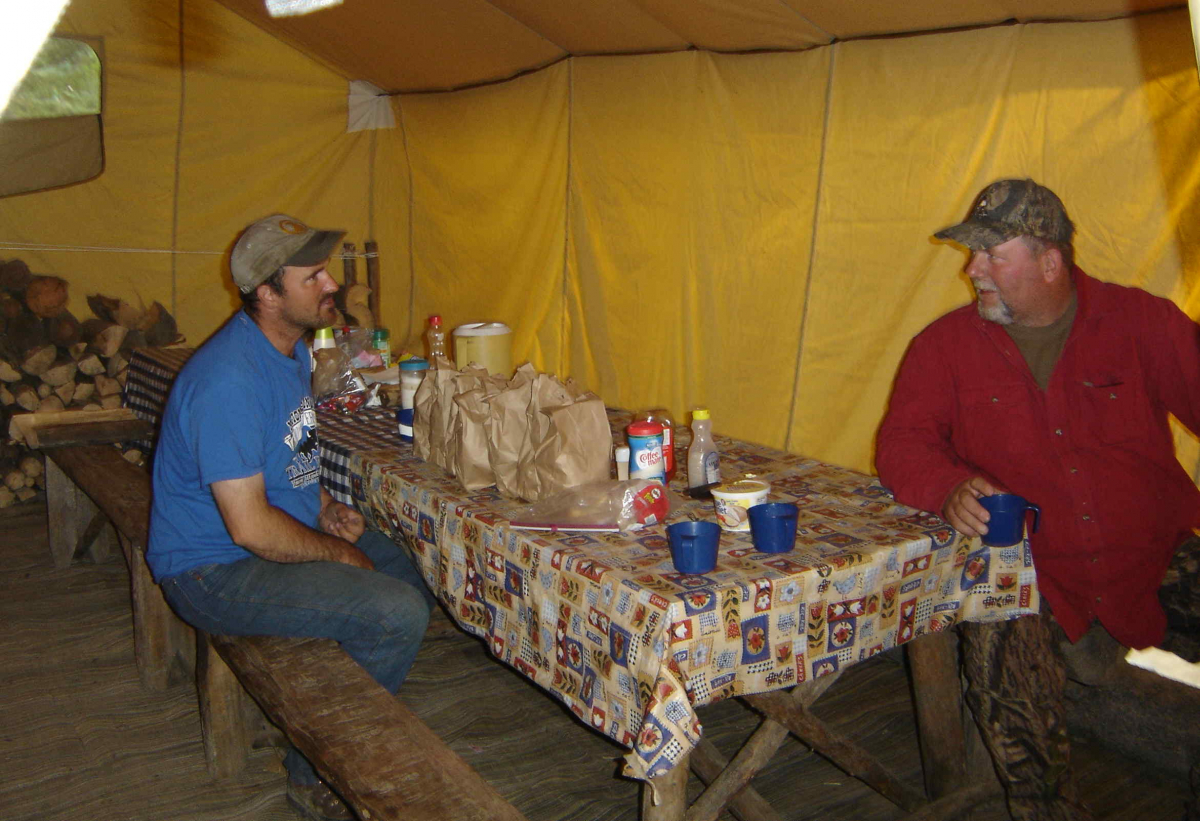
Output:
x=163 y=645
x=71 y=521
x=672 y=795
x=222 y=712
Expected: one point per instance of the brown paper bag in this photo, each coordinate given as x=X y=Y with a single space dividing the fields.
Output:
x=506 y=428
x=547 y=392
x=429 y=430
x=577 y=446
x=472 y=462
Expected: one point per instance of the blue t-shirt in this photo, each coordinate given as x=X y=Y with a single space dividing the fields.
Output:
x=238 y=408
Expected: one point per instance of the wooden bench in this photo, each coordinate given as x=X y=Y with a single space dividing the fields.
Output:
x=89 y=488
x=363 y=740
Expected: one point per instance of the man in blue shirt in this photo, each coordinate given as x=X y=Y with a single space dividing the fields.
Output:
x=243 y=539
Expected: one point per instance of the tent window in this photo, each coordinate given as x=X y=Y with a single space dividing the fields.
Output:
x=63 y=81
x=50 y=133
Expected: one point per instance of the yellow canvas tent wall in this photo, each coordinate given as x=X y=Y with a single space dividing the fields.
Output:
x=746 y=231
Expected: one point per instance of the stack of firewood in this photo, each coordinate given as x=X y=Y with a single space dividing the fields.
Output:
x=51 y=361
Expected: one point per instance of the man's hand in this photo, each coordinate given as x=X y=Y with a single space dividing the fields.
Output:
x=342 y=521
x=962 y=509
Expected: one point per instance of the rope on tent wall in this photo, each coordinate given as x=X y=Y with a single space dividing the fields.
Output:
x=812 y=250
x=35 y=246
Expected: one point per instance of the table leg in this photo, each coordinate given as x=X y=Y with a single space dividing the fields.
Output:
x=937 y=696
x=671 y=787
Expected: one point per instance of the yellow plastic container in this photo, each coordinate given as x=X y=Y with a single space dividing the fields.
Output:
x=487 y=344
x=733 y=501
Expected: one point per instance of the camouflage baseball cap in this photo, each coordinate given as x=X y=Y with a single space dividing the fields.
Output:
x=1008 y=209
x=275 y=241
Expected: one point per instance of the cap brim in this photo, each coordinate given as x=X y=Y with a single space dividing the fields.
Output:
x=977 y=235
x=318 y=249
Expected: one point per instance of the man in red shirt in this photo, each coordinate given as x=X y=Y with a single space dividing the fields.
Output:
x=1057 y=387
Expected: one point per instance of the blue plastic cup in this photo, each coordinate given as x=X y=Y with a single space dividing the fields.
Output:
x=1007 y=525
x=694 y=546
x=773 y=526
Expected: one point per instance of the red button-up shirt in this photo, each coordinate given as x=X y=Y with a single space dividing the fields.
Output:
x=1094 y=450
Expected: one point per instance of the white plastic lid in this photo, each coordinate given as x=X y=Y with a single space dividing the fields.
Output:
x=482 y=329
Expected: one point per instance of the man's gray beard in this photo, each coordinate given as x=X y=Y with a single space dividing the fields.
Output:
x=999 y=313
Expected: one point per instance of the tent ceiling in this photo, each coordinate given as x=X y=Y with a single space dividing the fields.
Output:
x=415 y=45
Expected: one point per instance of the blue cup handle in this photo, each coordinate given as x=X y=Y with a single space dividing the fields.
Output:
x=1037 y=515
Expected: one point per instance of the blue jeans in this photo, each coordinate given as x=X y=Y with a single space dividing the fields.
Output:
x=378 y=617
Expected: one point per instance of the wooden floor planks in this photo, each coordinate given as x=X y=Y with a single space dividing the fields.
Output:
x=80 y=739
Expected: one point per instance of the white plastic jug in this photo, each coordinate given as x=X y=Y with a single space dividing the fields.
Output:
x=487 y=344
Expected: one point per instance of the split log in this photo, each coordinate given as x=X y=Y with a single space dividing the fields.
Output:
x=51 y=404
x=14 y=276
x=159 y=326
x=63 y=329
x=114 y=310
x=7 y=498
x=37 y=360
x=46 y=296
x=111 y=402
x=9 y=372
x=133 y=339
x=59 y=373
x=90 y=365
x=6 y=397
x=116 y=363
x=25 y=494
x=10 y=306
x=84 y=390
x=14 y=479
x=25 y=396
x=43 y=390
x=65 y=392
x=107 y=386
x=104 y=338
x=77 y=350
x=24 y=333
x=32 y=466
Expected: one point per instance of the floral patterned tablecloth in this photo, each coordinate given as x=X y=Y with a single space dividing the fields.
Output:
x=604 y=622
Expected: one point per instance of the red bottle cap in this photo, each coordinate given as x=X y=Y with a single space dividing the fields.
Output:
x=435 y=320
x=644 y=429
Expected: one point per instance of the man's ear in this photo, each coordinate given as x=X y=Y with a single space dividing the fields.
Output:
x=268 y=296
x=1052 y=266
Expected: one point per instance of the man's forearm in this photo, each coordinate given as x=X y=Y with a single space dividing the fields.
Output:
x=279 y=537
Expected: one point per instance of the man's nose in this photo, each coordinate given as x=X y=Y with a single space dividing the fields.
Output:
x=329 y=286
x=974 y=265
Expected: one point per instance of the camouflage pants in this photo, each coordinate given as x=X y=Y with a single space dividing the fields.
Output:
x=1017 y=675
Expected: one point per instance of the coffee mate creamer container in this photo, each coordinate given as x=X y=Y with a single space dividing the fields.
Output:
x=646 y=451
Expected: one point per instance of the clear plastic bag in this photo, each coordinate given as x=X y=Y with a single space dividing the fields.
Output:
x=623 y=506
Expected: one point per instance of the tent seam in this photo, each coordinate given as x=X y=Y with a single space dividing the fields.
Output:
x=178 y=166
x=812 y=252
x=563 y=358
x=412 y=265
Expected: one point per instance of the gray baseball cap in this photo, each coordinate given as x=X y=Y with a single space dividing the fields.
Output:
x=1009 y=209
x=275 y=241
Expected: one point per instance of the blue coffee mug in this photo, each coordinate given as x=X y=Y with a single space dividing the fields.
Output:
x=1007 y=525
x=694 y=546
x=773 y=526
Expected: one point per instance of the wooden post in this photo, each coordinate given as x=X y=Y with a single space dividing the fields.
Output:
x=349 y=261
x=163 y=646
x=373 y=279
x=937 y=697
x=222 y=714
x=672 y=794
x=708 y=763
x=69 y=514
